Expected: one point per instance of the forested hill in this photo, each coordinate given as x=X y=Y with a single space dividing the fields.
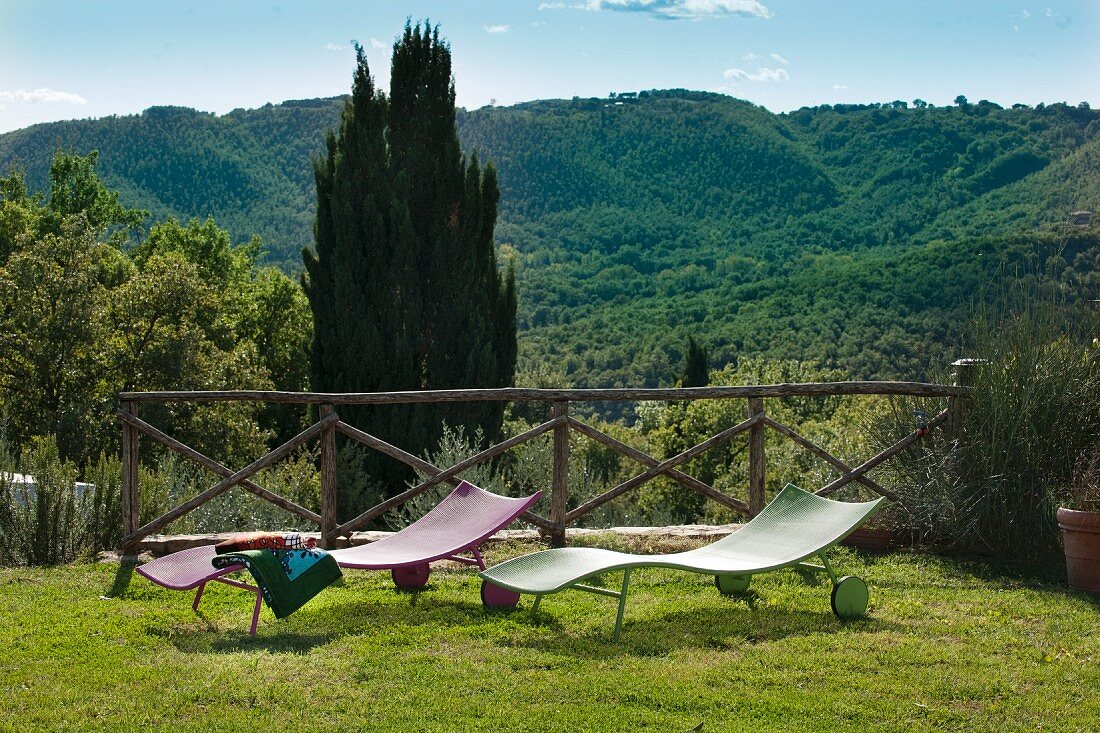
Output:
x=249 y=169
x=855 y=235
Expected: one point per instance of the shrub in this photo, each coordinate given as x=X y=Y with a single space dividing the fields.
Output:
x=1034 y=409
x=356 y=490
x=175 y=480
x=832 y=422
x=104 y=504
x=45 y=522
x=527 y=468
x=454 y=446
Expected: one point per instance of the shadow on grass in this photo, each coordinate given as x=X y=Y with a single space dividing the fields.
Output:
x=712 y=628
x=421 y=616
x=122 y=577
x=744 y=619
x=212 y=640
x=1046 y=574
x=307 y=628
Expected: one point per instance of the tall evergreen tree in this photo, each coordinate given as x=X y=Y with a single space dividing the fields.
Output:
x=403 y=281
x=695 y=366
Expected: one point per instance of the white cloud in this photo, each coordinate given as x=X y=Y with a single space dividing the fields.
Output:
x=672 y=9
x=780 y=59
x=497 y=28
x=750 y=56
x=1060 y=21
x=335 y=47
x=840 y=86
x=762 y=74
x=375 y=43
x=43 y=95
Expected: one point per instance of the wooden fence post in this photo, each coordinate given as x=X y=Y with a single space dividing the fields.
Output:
x=559 y=491
x=328 y=480
x=756 y=457
x=131 y=500
x=966 y=374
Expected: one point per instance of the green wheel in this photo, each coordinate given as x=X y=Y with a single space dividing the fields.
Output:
x=850 y=597
x=732 y=584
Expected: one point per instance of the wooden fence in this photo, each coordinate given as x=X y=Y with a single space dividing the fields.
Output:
x=559 y=424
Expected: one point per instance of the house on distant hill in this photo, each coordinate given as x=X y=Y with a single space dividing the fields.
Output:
x=1080 y=218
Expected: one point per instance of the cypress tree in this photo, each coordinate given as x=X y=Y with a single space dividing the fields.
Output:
x=695 y=366
x=403 y=281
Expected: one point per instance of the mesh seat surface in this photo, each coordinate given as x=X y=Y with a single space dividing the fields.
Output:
x=463 y=520
x=185 y=569
x=794 y=526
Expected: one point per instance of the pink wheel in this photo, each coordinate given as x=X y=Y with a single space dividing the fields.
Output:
x=411 y=576
x=493 y=596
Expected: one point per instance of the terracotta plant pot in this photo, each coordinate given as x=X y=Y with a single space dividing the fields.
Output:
x=1081 y=536
x=870 y=539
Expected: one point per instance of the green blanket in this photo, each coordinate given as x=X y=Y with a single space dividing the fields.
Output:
x=287 y=578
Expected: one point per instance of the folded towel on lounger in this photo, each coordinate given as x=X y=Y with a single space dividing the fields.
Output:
x=287 y=579
x=265 y=541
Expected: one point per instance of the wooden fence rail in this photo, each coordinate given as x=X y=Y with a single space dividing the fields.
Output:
x=525 y=394
x=559 y=425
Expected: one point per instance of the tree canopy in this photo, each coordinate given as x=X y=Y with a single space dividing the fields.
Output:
x=403 y=279
x=632 y=226
x=81 y=319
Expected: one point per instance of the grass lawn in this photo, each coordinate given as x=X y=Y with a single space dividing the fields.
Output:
x=949 y=645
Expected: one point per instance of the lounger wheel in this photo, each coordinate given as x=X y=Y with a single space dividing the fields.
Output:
x=493 y=596
x=850 y=597
x=730 y=585
x=411 y=576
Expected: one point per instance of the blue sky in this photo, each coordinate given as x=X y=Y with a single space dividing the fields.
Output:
x=74 y=59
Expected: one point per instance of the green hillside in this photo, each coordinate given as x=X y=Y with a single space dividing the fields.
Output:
x=857 y=235
x=682 y=154
x=248 y=169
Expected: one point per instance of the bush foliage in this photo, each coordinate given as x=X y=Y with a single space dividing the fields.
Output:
x=994 y=484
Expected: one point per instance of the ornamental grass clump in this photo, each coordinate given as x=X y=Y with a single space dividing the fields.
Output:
x=1084 y=490
x=1035 y=407
x=993 y=484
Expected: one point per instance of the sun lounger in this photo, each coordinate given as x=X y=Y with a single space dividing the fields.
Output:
x=192 y=568
x=460 y=523
x=796 y=525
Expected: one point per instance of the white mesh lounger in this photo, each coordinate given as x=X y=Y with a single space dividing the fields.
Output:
x=794 y=526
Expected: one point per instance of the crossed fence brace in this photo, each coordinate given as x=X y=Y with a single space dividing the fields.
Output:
x=560 y=423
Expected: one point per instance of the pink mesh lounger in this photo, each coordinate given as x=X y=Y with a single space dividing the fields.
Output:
x=191 y=568
x=460 y=523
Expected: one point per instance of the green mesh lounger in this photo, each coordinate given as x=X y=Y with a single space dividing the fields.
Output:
x=796 y=525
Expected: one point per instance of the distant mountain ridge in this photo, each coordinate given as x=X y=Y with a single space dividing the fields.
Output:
x=675 y=211
x=249 y=169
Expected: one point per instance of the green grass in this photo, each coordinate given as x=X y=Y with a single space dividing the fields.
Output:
x=948 y=645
